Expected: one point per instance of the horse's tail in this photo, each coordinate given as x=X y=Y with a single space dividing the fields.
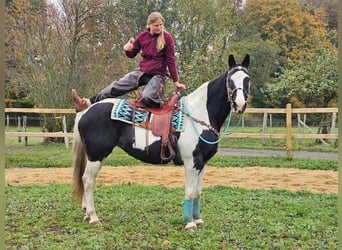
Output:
x=79 y=163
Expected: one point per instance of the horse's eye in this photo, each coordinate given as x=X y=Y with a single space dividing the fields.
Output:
x=246 y=84
x=231 y=84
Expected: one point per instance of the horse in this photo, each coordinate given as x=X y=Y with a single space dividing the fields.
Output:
x=206 y=109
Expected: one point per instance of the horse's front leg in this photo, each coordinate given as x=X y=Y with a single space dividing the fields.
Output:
x=89 y=181
x=193 y=190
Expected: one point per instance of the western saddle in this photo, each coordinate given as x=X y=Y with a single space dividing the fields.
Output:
x=161 y=123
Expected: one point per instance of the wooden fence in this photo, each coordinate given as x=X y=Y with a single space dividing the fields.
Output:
x=289 y=136
x=65 y=134
x=289 y=111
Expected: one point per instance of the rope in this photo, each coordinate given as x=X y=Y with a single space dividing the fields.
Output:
x=225 y=132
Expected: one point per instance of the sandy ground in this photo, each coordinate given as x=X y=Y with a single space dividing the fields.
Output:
x=315 y=181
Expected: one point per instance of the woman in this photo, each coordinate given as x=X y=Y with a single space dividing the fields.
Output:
x=158 y=60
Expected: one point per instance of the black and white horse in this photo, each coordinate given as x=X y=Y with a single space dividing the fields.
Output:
x=206 y=109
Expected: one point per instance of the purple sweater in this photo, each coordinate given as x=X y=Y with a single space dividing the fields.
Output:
x=153 y=62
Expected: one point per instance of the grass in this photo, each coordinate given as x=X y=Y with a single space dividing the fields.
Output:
x=149 y=217
x=39 y=155
x=274 y=162
x=255 y=143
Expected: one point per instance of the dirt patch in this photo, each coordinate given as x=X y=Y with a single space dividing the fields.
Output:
x=316 y=181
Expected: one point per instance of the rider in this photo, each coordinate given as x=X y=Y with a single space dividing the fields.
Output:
x=158 y=60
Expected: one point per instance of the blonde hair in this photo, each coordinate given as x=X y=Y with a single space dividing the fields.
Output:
x=153 y=17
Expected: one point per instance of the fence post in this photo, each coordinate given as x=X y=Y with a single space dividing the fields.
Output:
x=19 y=125
x=299 y=128
x=333 y=124
x=264 y=128
x=8 y=121
x=288 y=130
x=66 y=141
x=25 y=128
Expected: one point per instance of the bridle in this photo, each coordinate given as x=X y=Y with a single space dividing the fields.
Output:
x=232 y=91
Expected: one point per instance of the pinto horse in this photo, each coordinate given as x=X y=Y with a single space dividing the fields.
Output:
x=205 y=109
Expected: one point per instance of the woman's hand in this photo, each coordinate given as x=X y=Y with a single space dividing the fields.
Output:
x=129 y=45
x=180 y=85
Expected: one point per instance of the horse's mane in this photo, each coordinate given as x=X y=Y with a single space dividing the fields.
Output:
x=217 y=79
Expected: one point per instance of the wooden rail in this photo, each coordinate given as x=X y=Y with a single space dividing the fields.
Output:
x=288 y=136
x=25 y=134
x=283 y=136
x=293 y=110
x=40 y=111
x=289 y=111
x=39 y=134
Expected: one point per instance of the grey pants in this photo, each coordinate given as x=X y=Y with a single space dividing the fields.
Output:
x=152 y=95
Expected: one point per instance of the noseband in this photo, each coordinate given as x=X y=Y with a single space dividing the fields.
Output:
x=231 y=92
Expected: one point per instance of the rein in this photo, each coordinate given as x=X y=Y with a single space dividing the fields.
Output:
x=214 y=130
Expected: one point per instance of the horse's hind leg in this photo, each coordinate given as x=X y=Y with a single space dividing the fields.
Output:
x=89 y=180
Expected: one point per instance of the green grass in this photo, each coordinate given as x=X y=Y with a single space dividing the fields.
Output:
x=143 y=217
x=278 y=144
x=39 y=155
x=28 y=129
x=274 y=162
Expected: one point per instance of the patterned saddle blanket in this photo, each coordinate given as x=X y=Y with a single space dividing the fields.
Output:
x=122 y=111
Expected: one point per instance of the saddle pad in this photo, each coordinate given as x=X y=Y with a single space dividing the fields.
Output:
x=122 y=111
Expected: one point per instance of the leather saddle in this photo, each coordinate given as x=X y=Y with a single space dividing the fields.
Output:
x=161 y=122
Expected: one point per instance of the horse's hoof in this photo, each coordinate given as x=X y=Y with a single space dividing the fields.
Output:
x=199 y=222
x=191 y=226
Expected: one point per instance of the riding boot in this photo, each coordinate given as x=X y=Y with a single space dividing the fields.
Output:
x=81 y=103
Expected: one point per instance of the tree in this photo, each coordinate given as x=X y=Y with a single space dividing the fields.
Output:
x=203 y=30
x=330 y=8
x=264 y=60
x=78 y=43
x=312 y=84
x=93 y=44
x=285 y=23
x=22 y=29
x=51 y=50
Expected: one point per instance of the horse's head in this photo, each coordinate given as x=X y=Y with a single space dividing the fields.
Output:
x=238 y=84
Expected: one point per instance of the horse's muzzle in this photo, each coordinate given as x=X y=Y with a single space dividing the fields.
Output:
x=239 y=108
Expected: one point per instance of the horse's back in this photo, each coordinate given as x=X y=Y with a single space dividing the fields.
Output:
x=100 y=134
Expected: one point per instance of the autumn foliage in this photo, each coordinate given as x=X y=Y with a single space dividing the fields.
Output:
x=52 y=48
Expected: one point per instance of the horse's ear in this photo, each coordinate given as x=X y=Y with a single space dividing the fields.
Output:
x=245 y=62
x=231 y=61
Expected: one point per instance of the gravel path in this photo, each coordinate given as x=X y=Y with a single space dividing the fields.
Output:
x=261 y=152
x=315 y=181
